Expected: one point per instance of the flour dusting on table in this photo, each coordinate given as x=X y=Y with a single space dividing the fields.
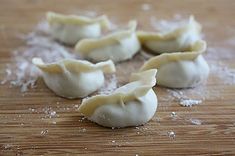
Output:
x=21 y=72
x=182 y=99
x=110 y=85
x=145 y=7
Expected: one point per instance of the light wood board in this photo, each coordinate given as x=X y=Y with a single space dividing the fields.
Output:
x=23 y=118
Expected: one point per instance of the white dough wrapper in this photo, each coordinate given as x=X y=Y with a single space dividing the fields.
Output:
x=130 y=105
x=71 y=78
x=69 y=29
x=118 y=46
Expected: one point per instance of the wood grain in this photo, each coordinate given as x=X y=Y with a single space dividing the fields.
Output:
x=23 y=117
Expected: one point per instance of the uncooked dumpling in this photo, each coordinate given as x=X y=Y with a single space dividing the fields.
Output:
x=180 y=69
x=179 y=39
x=74 y=78
x=118 y=46
x=70 y=29
x=130 y=105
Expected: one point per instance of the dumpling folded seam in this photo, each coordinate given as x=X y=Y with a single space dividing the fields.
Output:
x=117 y=46
x=74 y=78
x=180 y=69
x=119 y=108
x=69 y=29
x=77 y=20
x=178 y=39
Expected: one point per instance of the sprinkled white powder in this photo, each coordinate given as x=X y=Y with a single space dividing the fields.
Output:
x=21 y=72
x=145 y=7
x=83 y=130
x=195 y=121
x=49 y=112
x=226 y=74
x=42 y=27
x=189 y=102
x=183 y=100
x=171 y=134
x=109 y=86
x=173 y=114
x=44 y=132
x=52 y=113
x=7 y=146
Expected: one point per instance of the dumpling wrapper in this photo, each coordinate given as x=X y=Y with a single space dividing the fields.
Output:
x=118 y=46
x=130 y=105
x=71 y=78
x=178 y=39
x=180 y=69
x=69 y=29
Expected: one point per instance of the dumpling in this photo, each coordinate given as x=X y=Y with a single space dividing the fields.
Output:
x=71 y=78
x=70 y=29
x=118 y=46
x=180 y=69
x=178 y=39
x=130 y=105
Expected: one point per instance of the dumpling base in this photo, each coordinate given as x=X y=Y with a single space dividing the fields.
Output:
x=76 y=85
x=132 y=113
x=183 y=74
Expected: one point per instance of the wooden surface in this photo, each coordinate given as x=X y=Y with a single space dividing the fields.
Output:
x=23 y=118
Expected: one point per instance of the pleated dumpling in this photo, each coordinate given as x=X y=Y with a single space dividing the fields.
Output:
x=71 y=78
x=178 y=39
x=118 y=46
x=69 y=29
x=130 y=105
x=180 y=69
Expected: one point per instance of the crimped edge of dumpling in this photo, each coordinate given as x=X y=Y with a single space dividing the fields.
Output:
x=73 y=65
x=196 y=49
x=143 y=82
x=87 y=45
x=171 y=35
x=53 y=17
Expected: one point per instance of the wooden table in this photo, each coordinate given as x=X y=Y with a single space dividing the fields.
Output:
x=26 y=129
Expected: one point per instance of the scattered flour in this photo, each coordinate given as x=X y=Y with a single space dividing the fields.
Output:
x=171 y=134
x=49 y=112
x=219 y=54
x=189 y=102
x=182 y=99
x=173 y=114
x=110 y=85
x=226 y=74
x=195 y=121
x=83 y=130
x=7 y=146
x=44 y=132
x=21 y=72
x=145 y=7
